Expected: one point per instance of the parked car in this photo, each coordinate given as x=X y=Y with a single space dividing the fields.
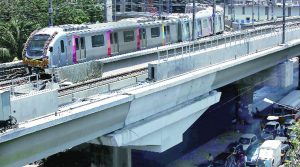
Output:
x=289 y=122
x=234 y=147
x=271 y=130
x=247 y=141
x=252 y=156
x=224 y=159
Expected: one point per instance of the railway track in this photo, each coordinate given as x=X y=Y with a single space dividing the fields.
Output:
x=13 y=70
x=100 y=81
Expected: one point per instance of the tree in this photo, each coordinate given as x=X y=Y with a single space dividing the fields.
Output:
x=77 y=13
x=12 y=37
x=294 y=153
x=18 y=18
x=4 y=55
x=68 y=14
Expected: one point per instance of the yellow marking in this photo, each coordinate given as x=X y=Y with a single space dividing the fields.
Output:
x=36 y=63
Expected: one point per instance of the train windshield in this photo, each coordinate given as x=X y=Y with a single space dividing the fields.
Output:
x=36 y=45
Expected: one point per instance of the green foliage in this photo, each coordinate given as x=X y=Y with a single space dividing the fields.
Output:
x=76 y=16
x=13 y=34
x=18 y=18
x=294 y=153
x=5 y=55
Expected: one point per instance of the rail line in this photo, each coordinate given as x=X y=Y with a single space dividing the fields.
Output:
x=13 y=70
x=100 y=81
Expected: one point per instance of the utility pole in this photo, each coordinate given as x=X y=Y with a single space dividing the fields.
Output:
x=50 y=12
x=283 y=22
x=272 y=10
x=160 y=7
x=224 y=15
x=252 y=19
x=268 y=4
x=258 y=10
x=214 y=17
x=168 y=5
x=193 y=28
x=231 y=9
x=115 y=5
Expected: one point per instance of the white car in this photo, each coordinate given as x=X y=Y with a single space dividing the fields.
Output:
x=271 y=130
x=247 y=141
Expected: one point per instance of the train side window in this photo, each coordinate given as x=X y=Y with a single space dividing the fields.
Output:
x=187 y=26
x=62 y=46
x=97 y=41
x=220 y=22
x=205 y=25
x=77 y=43
x=199 y=23
x=167 y=29
x=200 y=28
x=266 y=10
x=128 y=36
x=155 y=32
x=230 y=9
x=82 y=42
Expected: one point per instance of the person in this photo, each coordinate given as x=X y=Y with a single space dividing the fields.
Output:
x=245 y=160
x=242 y=161
x=210 y=158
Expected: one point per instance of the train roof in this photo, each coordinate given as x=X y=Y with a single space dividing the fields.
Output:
x=148 y=20
x=125 y=23
x=114 y=25
x=49 y=30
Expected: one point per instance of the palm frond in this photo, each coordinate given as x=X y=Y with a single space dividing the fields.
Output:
x=5 y=56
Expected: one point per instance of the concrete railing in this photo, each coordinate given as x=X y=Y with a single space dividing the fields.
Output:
x=202 y=56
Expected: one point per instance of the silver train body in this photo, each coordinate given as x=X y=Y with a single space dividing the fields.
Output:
x=70 y=44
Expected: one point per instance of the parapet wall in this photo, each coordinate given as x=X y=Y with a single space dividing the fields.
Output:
x=166 y=68
x=34 y=105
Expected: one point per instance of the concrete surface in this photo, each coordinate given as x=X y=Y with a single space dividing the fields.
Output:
x=34 y=105
x=79 y=72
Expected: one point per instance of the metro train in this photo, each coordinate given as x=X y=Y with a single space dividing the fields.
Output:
x=70 y=44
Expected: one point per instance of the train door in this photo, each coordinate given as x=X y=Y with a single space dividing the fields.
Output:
x=143 y=37
x=114 y=42
x=80 y=48
x=167 y=33
x=69 y=50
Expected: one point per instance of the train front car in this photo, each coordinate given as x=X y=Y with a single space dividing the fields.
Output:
x=39 y=46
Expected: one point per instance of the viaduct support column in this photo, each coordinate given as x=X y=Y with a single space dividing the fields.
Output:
x=282 y=75
x=244 y=106
x=121 y=157
x=103 y=156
